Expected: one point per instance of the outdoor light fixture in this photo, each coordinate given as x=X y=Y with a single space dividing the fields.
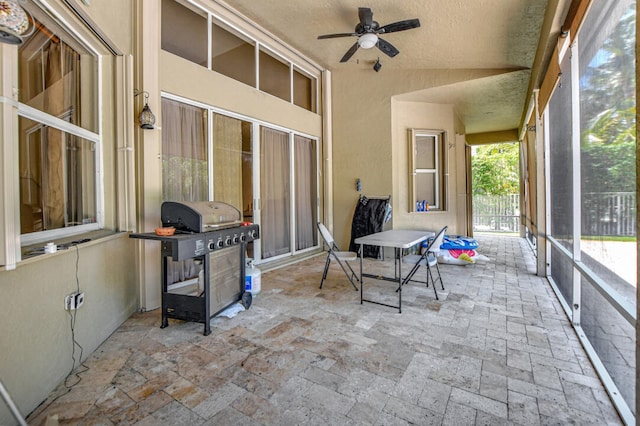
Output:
x=377 y=65
x=368 y=40
x=146 y=117
x=14 y=22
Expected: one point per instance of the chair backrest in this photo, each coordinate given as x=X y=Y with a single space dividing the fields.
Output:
x=434 y=247
x=326 y=235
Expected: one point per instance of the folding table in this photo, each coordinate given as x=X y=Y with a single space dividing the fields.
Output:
x=400 y=240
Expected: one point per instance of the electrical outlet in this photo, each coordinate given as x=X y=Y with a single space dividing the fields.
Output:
x=73 y=301
x=79 y=300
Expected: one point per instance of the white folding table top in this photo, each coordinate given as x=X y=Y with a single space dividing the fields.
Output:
x=398 y=238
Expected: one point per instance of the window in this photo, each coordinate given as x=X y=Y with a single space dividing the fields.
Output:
x=274 y=76
x=304 y=90
x=427 y=167
x=184 y=31
x=58 y=147
x=232 y=55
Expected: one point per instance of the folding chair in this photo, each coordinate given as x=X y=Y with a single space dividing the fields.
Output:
x=342 y=257
x=429 y=259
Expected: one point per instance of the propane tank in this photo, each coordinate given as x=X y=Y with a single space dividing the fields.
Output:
x=252 y=278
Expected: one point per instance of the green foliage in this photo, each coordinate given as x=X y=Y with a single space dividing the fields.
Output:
x=608 y=109
x=495 y=169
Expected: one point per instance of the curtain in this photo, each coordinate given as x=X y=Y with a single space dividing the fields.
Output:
x=184 y=152
x=184 y=167
x=53 y=185
x=77 y=182
x=274 y=192
x=227 y=160
x=305 y=190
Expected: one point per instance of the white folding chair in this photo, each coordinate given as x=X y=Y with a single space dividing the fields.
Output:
x=429 y=259
x=342 y=257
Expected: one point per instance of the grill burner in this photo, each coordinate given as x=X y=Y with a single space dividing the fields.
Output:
x=205 y=231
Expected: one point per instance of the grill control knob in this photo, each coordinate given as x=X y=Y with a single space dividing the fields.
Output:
x=220 y=243
x=212 y=245
x=253 y=234
x=227 y=242
x=243 y=238
x=236 y=240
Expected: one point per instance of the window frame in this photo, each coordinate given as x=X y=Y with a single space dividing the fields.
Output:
x=256 y=123
x=44 y=119
x=270 y=48
x=439 y=170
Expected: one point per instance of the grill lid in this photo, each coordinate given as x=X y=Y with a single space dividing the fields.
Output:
x=199 y=216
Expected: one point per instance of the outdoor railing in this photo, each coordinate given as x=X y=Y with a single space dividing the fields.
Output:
x=603 y=214
x=496 y=213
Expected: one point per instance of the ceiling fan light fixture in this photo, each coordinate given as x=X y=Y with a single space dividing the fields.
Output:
x=14 y=22
x=368 y=40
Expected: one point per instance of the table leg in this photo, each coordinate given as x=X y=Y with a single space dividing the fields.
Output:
x=361 y=281
x=400 y=281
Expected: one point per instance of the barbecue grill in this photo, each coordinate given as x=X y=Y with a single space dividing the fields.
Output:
x=210 y=233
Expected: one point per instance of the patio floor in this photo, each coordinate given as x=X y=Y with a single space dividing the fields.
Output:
x=496 y=349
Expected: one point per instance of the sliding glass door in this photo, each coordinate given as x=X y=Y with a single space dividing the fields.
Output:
x=288 y=193
x=275 y=193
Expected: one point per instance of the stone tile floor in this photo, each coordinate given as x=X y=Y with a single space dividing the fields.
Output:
x=495 y=349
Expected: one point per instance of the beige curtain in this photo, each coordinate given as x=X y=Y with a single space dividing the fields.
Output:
x=184 y=167
x=185 y=175
x=306 y=192
x=77 y=183
x=53 y=184
x=274 y=193
x=227 y=160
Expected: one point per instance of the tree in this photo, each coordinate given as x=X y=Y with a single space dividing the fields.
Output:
x=608 y=111
x=495 y=169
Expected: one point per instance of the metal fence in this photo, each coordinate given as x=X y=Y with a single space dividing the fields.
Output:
x=496 y=213
x=603 y=214
x=611 y=213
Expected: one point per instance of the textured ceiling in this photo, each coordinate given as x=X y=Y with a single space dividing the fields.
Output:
x=454 y=34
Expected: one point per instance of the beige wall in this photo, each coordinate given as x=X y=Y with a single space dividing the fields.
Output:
x=199 y=84
x=35 y=333
x=35 y=329
x=369 y=142
x=407 y=115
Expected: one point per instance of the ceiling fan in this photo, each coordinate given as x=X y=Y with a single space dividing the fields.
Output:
x=368 y=31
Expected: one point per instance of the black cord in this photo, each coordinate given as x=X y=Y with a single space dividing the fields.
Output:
x=74 y=342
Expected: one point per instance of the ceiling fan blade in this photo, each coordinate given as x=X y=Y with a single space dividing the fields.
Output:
x=366 y=16
x=350 y=52
x=336 y=35
x=387 y=48
x=399 y=26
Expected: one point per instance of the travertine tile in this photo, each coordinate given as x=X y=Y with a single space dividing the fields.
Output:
x=495 y=349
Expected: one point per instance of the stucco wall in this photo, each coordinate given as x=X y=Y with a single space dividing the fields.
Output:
x=419 y=115
x=369 y=142
x=35 y=331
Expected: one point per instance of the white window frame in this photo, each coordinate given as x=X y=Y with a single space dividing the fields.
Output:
x=255 y=135
x=45 y=119
x=439 y=171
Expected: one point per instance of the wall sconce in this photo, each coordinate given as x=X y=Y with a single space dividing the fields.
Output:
x=146 y=117
x=14 y=22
